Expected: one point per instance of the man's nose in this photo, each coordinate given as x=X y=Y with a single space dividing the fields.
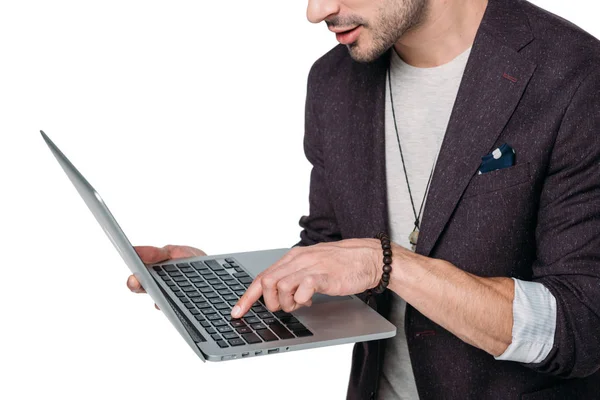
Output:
x=319 y=10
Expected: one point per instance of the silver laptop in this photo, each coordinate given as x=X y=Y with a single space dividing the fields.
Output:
x=197 y=294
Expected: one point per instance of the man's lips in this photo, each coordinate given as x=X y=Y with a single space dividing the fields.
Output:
x=347 y=36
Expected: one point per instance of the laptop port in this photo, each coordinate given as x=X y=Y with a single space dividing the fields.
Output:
x=246 y=354
x=258 y=353
x=271 y=351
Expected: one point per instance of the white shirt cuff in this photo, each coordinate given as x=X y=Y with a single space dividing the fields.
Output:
x=534 y=323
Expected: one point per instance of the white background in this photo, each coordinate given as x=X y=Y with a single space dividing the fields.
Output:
x=187 y=116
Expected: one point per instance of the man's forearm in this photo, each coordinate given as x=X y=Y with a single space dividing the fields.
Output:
x=477 y=310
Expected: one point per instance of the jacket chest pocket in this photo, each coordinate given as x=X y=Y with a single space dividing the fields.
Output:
x=497 y=180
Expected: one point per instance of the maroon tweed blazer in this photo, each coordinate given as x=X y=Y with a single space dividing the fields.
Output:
x=532 y=81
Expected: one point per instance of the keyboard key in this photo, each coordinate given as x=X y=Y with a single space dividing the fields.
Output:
x=240 y=292
x=194 y=294
x=198 y=264
x=208 y=311
x=219 y=286
x=190 y=306
x=180 y=279
x=246 y=280
x=205 y=324
x=303 y=333
x=190 y=289
x=213 y=264
x=281 y=331
x=184 y=284
x=224 y=328
x=222 y=273
x=219 y=322
x=157 y=268
x=249 y=314
x=180 y=294
x=281 y=313
x=182 y=265
x=230 y=335
x=243 y=329
x=232 y=302
x=205 y=272
x=173 y=274
x=265 y=315
x=214 y=281
x=215 y=300
x=240 y=275
x=228 y=279
x=231 y=297
x=206 y=289
x=225 y=292
x=229 y=260
x=238 y=269
x=252 y=320
x=258 y=309
x=266 y=335
x=237 y=287
x=213 y=317
x=288 y=320
x=211 y=295
x=216 y=336
x=257 y=327
x=296 y=327
x=236 y=323
x=195 y=311
x=200 y=285
x=251 y=338
x=170 y=268
x=236 y=342
x=222 y=344
x=223 y=306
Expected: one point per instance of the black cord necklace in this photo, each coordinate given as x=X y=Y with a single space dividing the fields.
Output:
x=414 y=235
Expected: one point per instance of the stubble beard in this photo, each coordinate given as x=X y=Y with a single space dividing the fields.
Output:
x=393 y=21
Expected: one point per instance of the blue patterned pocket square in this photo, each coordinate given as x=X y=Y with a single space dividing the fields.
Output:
x=502 y=157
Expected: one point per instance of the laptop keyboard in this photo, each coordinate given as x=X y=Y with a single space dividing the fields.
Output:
x=209 y=291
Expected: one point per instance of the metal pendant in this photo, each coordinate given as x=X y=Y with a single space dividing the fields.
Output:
x=413 y=239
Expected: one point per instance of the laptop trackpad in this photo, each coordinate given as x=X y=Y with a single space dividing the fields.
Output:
x=319 y=298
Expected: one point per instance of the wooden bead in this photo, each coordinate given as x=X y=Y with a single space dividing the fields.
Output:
x=386 y=246
x=387 y=253
x=385 y=277
x=387 y=260
x=387 y=269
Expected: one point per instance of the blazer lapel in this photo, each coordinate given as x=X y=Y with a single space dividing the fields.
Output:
x=495 y=78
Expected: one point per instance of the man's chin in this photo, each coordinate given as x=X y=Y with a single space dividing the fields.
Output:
x=363 y=54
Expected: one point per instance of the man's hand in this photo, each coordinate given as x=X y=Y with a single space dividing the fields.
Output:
x=152 y=255
x=337 y=269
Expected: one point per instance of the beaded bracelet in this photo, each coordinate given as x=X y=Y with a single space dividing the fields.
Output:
x=387 y=262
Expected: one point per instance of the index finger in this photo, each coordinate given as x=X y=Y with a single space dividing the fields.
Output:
x=250 y=297
x=152 y=255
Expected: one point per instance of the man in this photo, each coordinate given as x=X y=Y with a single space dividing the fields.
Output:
x=501 y=297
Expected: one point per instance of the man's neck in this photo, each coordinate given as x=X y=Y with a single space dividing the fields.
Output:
x=448 y=30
